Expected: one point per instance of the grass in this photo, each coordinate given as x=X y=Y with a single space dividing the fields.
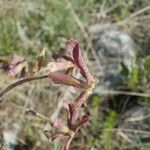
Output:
x=47 y=22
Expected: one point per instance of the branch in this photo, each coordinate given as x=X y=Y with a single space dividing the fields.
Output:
x=113 y=92
x=20 y=82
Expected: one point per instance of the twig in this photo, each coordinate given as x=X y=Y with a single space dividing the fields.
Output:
x=138 y=118
x=20 y=82
x=37 y=114
x=123 y=135
x=129 y=130
x=113 y=92
x=42 y=74
x=136 y=14
x=133 y=16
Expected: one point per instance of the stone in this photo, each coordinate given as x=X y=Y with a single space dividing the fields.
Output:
x=115 y=49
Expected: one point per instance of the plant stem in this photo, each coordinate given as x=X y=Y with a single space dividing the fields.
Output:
x=20 y=82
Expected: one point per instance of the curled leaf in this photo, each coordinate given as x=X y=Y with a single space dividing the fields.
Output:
x=61 y=65
x=58 y=77
x=83 y=120
x=19 y=69
x=40 y=60
x=75 y=53
x=73 y=115
x=18 y=66
x=75 y=107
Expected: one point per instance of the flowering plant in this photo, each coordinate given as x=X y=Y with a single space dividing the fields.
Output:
x=61 y=72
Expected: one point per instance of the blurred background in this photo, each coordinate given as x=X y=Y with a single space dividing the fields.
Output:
x=114 y=37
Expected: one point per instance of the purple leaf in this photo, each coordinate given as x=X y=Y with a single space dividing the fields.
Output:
x=83 y=120
x=16 y=60
x=58 y=77
x=62 y=64
x=73 y=115
x=18 y=66
x=75 y=53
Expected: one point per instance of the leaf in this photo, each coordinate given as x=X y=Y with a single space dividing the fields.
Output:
x=75 y=107
x=18 y=66
x=19 y=69
x=58 y=77
x=147 y=64
x=40 y=60
x=73 y=115
x=95 y=101
x=16 y=60
x=75 y=53
x=83 y=120
x=134 y=78
x=60 y=65
x=124 y=70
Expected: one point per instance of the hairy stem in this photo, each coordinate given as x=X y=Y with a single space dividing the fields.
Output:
x=20 y=82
